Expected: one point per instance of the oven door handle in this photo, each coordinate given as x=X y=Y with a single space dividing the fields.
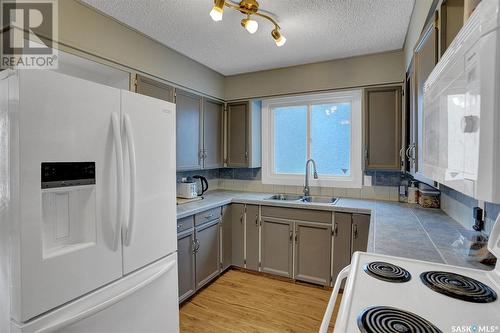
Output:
x=333 y=298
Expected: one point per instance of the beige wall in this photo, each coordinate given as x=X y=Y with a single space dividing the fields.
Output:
x=418 y=17
x=335 y=74
x=85 y=29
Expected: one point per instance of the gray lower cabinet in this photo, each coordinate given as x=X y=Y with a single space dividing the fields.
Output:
x=207 y=252
x=341 y=242
x=227 y=237
x=312 y=252
x=238 y=232
x=186 y=264
x=360 y=230
x=252 y=237
x=277 y=244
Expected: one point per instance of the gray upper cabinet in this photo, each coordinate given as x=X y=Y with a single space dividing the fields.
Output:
x=252 y=237
x=207 y=252
x=383 y=128
x=425 y=59
x=238 y=233
x=313 y=252
x=186 y=264
x=188 y=130
x=213 y=148
x=153 y=88
x=360 y=231
x=277 y=244
x=243 y=134
x=227 y=236
x=341 y=242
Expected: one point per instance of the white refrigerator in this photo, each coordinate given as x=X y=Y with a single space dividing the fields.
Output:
x=91 y=206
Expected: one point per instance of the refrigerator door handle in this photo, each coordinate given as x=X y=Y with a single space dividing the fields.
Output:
x=109 y=302
x=133 y=177
x=115 y=120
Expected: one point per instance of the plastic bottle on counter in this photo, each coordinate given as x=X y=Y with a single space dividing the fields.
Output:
x=413 y=193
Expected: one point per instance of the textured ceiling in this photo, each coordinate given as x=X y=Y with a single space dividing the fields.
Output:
x=316 y=30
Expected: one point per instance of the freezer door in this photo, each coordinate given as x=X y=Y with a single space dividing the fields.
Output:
x=149 y=231
x=144 y=301
x=65 y=225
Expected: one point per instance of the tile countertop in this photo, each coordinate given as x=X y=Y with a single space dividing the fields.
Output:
x=219 y=198
x=397 y=229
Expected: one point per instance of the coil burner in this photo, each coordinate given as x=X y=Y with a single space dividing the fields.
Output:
x=387 y=272
x=385 y=319
x=458 y=286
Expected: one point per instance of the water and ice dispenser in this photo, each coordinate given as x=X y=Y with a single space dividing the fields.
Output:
x=68 y=206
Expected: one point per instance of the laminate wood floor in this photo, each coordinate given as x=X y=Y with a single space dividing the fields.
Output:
x=243 y=302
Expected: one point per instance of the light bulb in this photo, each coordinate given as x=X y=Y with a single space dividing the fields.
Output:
x=250 y=25
x=216 y=14
x=279 y=39
x=217 y=10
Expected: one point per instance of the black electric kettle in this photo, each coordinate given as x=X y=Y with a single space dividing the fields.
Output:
x=201 y=184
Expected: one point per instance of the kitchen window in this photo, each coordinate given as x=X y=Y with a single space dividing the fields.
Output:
x=324 y=127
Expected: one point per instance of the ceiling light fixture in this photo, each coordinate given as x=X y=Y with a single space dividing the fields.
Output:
x=248 y=8
x=217 y=10
x=250 y=25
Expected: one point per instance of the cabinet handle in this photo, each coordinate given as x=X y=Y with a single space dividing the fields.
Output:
x=194 y=246
x=241 y=218
x=296 y=237
x=355 y=231
x=336 y=230
x=291 y=235
x=209 y=216
x=257 y=220
x=179 y=226
x=246 y=155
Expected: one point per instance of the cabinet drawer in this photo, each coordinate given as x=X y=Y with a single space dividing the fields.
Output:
x=206 y=216
x=297 y=214
x=185 y=223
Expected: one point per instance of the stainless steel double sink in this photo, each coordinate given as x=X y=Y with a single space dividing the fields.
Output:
x=302 y=199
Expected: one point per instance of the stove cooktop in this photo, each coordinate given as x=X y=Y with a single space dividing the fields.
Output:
x=386 y=319
x=370 y=286
x=387 y=272
x=458 y=286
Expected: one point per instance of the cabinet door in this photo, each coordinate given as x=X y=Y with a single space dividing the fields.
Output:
x=212 y=134
x=425 y=59
x=252 y=237
x=238 y=232
x=186 y=264
x=237 y=134
x=341 y=242
x=207 y=252
x=226 y=246
x=277 y=242
x=360 y=231
x=188 y=129
x=312 y=252
x=153 y=88
x=383 y=128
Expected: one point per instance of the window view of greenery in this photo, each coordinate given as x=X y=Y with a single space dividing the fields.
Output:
x=329 y=141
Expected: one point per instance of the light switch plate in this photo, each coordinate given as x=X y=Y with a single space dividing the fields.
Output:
x=367 y=180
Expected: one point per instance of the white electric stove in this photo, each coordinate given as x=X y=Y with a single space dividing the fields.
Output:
x=391 y=294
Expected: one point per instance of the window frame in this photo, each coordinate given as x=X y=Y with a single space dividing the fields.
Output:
x=356 y=175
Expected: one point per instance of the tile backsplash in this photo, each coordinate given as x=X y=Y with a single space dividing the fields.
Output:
x=459 y=206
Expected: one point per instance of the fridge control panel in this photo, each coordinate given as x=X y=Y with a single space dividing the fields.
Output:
x=64 y=174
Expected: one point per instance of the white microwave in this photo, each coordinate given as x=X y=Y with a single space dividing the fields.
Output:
x=461 y=116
